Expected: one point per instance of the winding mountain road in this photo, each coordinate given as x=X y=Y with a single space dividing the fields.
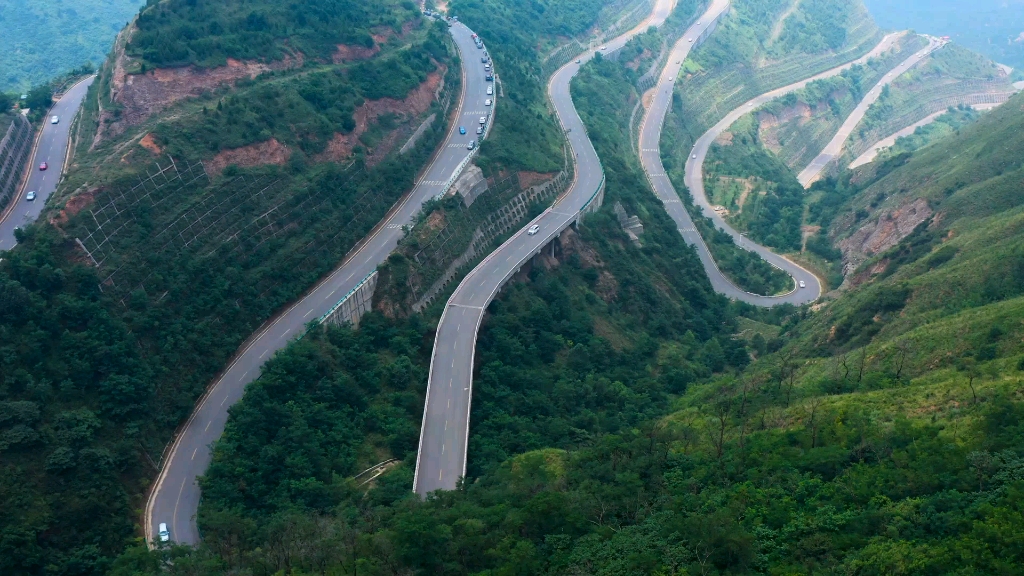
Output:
x=175 y=496
x=444 y=434
x=650 y=158
x=834 y=148
x=51 y=147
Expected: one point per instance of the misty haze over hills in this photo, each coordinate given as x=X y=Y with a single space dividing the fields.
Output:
x=993 y=27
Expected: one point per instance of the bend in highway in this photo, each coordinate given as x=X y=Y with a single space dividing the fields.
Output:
x=51 y=147
x=835 y=147
x=650 y=158
x=444 y=433
x=175 y=496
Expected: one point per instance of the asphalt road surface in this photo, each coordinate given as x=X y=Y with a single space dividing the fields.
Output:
x=835 y=147
x=650 y=156
x=175 y=498
x=441 y=460
x=52 y=148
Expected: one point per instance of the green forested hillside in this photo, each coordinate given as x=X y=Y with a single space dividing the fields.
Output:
x=100 y=363
x=207 y=33
x=46 y=38
x=821 y=455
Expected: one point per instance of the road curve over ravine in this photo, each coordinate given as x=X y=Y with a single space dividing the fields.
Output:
x=650 y=158
x=51 y=147
x=444 y=433
x=834 y=148
x=175 y=497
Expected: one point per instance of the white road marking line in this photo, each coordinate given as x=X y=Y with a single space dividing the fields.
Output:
x=442 y=448
x=194 y=453
x=208 y=425
x=264 y=353
x=224 y=400
x=286 y=332
x=308 y=313
x=439 y=472
x=449 y=402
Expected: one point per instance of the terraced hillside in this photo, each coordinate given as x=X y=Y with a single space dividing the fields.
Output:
x=743 y=59
x=950 y=77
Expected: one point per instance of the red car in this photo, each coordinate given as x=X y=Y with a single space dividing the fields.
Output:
x=43 y=166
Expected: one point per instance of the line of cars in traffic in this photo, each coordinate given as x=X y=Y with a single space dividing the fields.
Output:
x=485 y=59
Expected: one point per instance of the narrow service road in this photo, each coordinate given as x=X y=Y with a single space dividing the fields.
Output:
x=51 y=147
x=175 y=497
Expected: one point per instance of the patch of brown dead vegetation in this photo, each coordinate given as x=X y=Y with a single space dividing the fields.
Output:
x=528 y=179
x=149 y=143
x=259 y=154
x=417 y=102
x=74 y=205
x=141 y=95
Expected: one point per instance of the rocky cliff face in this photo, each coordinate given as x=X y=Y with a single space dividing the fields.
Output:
x=882 y=232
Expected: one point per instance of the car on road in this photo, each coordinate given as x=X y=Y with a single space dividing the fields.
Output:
x=54 y=119
x=489 y=77
x=694 y=156
x=44 y=166
x=479 y=129
x=31 y=195
x=483 y=120
x=462 y=129
x=690 y=40
x=577 y=60
x=490 y=90
x=165 y=534
x=471 y=145
x=533 y=230
x=604 y=47
x=483 y=59
x=487 y=66
x=487 y=102
x=803 y=284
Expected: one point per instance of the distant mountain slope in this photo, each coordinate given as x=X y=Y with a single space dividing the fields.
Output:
x=45 y=38
x=994 y=28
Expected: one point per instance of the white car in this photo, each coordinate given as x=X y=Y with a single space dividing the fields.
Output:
x=490 y=90
x=31 y=195
x=487 y=102
x=483 y=120
x=604 y=47
x=533 y=230
x=690 y=40
x=694 y=156
x=803 y=284
x=479 y=129
x=164 y=534
x=471 y=145
x=54 y=119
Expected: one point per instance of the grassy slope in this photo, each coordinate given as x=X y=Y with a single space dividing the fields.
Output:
x=883 y=436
